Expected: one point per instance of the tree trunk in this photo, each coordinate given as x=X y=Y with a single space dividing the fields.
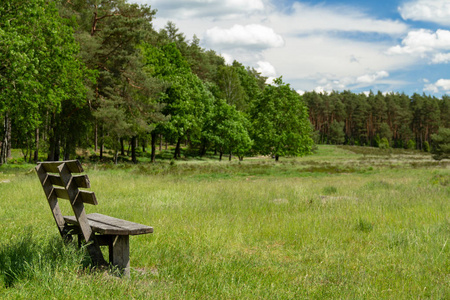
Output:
x=153 y=154
x=8 y=134
x=122 y=147
x=5 y=144
x=51 y=139
x=36 y=141
x=133 y=149
x=57 y=147
x=160 y=142
x=229 y=157
x=202 y=151
x=178 y=149
x=116 y=154
x=144 y=144
x=220 y=156
x=101 y=143
x=95 y=137
x=277 y=157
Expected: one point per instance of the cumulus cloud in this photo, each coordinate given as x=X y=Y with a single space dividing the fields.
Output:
x=218 y=9
x=306 y=18
x=442 y=85
x=437 y=11
x=423 y=41
x=370 y=78
x=228 y=58
x=441 y=58
x=266 y=69
x=329 y=83
x=249 y=36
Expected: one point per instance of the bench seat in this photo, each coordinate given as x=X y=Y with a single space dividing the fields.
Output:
x=103 y=224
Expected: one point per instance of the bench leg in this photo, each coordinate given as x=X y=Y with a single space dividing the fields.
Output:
x=121 y=253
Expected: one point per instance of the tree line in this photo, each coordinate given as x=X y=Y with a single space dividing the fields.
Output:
x=392 y=120
x=96 y=74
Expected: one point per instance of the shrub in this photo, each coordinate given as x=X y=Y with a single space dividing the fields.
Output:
x=383 y=144
x=411 y=145
x=441 y=144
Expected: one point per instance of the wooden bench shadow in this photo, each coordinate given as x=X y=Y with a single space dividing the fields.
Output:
x=95 y=229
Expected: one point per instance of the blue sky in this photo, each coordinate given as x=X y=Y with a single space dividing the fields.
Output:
x=378 y=45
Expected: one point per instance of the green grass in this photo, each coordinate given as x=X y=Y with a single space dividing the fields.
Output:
x=338 y=224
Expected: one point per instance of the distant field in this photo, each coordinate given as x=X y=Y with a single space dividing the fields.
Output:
x=347 y=222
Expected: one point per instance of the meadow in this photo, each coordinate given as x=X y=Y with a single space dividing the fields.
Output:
x=344 y=223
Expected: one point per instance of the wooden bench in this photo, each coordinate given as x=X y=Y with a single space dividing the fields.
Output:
x=95 y=229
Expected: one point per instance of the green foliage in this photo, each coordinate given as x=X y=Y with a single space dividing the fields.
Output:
x=227 y=129
x=383 y=144
x=441 y=144
x=40 y=70
x=280 y=122
x=411 y=145
x=337 y=135
x=426 y=147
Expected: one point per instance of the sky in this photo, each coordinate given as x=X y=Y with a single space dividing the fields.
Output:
x=357 y=45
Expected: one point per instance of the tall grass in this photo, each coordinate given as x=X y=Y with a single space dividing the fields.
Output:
x=325 y=226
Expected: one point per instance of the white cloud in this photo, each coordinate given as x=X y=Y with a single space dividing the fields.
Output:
x=442 y=85
x=370 y=78
x=330 y=83
x=248 y=36
x=218 y=9
x=437 y=11
x=228 y=58
x=441 y=58
x=307 y=19
x=311 y=59
x=266 y=69
x=303 y=42
x=423 y=41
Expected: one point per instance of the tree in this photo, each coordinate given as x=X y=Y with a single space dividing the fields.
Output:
x=39 y=69
x=337 y=135
x=185 y=98
x=124 y=98
x=280 y=122
x=441 y=144
x=226 y=129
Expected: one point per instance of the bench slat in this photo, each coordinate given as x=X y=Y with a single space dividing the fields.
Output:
x=108 y=225
x=86 y=196
x=81 y=181
x=52 y=166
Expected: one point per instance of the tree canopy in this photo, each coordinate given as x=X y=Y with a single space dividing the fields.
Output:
x=96 y=74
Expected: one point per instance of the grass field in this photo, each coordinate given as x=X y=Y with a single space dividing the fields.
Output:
x=345 y=223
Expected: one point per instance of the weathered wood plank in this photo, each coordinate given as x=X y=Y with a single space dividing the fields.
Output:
x=108 y=225
x=52 y=200
x=82 y=181
x=87 y=197
x=52 y=166
x=121 y=254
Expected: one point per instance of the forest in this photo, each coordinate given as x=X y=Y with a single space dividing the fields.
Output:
x=97 y=75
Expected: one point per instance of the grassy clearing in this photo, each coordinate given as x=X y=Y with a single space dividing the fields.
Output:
x=339 y=224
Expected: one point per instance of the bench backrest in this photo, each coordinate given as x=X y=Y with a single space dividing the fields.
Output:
x=58 y=182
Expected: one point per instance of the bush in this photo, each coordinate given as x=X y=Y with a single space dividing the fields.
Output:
x=383 y=144
x=426 y=147
x=411 y=145
x=441 y=144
